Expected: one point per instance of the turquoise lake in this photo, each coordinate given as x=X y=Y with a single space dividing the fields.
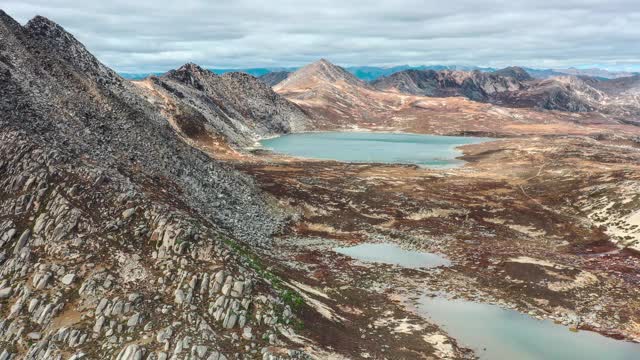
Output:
x=394 y=255
x=496 y=333
x=491 y=331
x=423 y=150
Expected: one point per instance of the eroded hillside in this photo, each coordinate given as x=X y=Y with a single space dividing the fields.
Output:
x=336 y=99
x=135 y=225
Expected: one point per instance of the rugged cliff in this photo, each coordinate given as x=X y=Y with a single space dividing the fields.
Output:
x=235 y=107
x=514 y=87
x=274 y=78
x=118 y=239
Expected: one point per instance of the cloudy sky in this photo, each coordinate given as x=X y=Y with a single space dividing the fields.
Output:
x=144 y=35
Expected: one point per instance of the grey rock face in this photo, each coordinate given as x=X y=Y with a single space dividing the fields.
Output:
x=236 y=107
x=5 y=293
x=474 y=85
x=58 y=93
x=514 y=87
x=68 y=279
x=274 y=78
x=22 y=241
x=80 y=148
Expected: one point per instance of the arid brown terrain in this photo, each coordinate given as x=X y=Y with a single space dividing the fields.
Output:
x=139 y=221
x=546 y=219
x=336 y=99
x=523 y=221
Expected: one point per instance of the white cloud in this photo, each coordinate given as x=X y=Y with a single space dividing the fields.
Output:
x=147 y=35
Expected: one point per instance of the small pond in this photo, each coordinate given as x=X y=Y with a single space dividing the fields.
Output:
x=394 y=255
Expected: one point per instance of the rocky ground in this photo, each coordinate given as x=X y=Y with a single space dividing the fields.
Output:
x=118 y=239
x=93 y=267
x=132 y=226
x=519 y=222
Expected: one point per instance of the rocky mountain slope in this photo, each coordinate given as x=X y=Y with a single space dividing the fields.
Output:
x=274 y=78
x=505 y=105
x=333 y=96
x=235 y=108
x=473 y=85
x=117 y=239
x=319 y=72
x=515 y=72
x=564 y=93
x=514 y=87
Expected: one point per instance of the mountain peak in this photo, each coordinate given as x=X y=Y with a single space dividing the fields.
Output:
x=323 y=65
x=7 y=23
x=192 y=67
x=4 y=17
x=515 y=72
x=41 y=27
x=321 y=71
x=324 y=62
x=59 y=43
x=190 y=74
x=40 y=20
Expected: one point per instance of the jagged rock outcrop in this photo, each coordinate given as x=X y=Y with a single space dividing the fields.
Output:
x=235 y=107
x=275 y=77
x=117 y=239
x=514 y=87
x=515 y=72
x=93 y=259
x=104 y=118
x=474 y=85
x=564 y=93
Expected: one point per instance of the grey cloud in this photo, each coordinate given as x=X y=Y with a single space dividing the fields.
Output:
x=157 y=35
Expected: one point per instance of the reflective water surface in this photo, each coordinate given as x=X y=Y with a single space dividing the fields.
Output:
x=496 y=333
x=394 y=255
x=422 y=150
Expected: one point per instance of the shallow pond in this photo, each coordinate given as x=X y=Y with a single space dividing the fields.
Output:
x=422 y=150
x=394 y=255
x=496 y=333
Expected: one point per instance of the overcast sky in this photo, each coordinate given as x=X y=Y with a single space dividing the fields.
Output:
x=142 y=35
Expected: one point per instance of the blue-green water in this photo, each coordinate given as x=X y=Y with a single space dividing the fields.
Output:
x=492 y=332
x=496 y=333
x=423 y=150
x=394 y=255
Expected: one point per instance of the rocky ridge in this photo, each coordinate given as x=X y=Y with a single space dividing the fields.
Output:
x=105 y=118
x=274 y=78
x=235 y=106
x=117 y=239
x=457 y=102
x=474 y=85
x=514 y=87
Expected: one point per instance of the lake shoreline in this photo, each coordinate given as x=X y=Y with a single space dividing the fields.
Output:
x=428 y=151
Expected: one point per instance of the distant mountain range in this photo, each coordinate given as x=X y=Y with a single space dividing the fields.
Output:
x=512 y=87
x=257 y=72
x=335 y=97
x=371 y=73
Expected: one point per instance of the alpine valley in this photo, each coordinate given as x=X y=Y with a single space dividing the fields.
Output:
x=142 y=219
